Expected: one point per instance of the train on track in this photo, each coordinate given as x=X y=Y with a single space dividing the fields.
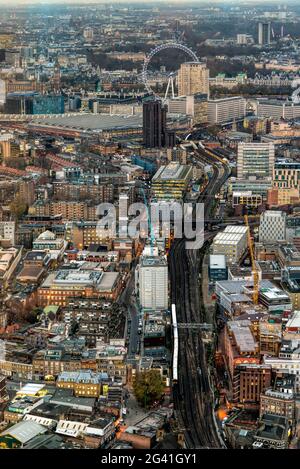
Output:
x=175 y=346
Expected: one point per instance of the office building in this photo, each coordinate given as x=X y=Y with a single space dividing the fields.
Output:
x=277 y=109
x=217 y=267
x=193 y=77
x=61 y=285
x=170 y=182
x=84 y=233
x=47 y=241
x=7 y=231
x=276 y=301
x=286 y=174
x=270 y=337
x=286 y=364
x=84 y=383
x=244 y=39
x=154 y=121
x=278 y=196
x=175 y=154
x=255 y=159
x=5 y=145
x=17 y=103
x=226 y=110
x=272 y=227
x=155 y=133
x=181 y=105
x=232 y=242
x=47 y=104
x=278 y=402
x=264 y=33
x=152 y=279
x=252 y=184
x=246 y=198
x=249 y=381
x=33 y=104
x=200 y=109
x=74 y=103
x=240 y=346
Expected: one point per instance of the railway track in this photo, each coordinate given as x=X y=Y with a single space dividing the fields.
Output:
x=193 y=400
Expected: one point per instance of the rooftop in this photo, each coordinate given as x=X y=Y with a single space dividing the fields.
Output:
x=24 y=431
x=227 y=238
x=31 y=389
x=294 y=321
x=272 y=427
x=151 y=261
x=173 y=171
x=243 y=336
x=80 y=377
x=217 y=261
x=279 y=395
x=65 y=397
x=274 y=293
x=92 y=122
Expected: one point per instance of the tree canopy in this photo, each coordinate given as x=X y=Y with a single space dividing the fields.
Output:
x=18 y=207
x=148 y=387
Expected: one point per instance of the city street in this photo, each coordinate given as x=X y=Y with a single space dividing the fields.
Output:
x=129 y=300
x=135 y=413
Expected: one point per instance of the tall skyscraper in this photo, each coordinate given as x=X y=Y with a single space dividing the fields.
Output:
x=155 y=133
x=264 y=33
x=193 y=77
x=153 y=283
x=255 y=159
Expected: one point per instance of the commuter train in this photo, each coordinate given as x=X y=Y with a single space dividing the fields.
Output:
x=214 y=155
x=175 y=346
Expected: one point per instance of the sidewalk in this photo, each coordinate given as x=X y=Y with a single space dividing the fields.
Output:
x=135 y=413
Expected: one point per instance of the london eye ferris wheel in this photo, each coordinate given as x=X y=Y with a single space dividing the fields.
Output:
x=168 y=45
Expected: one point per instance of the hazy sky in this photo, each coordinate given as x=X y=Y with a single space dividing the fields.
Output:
x=8 y=3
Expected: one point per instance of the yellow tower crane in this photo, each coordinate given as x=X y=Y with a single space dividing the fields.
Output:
x=254 y=268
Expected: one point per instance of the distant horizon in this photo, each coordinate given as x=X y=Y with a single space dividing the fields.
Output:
x=83 y=2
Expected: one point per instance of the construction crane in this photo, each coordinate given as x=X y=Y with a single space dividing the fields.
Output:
x=254 y=268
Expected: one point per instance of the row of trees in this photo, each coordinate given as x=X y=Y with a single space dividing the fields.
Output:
x=250 y=90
